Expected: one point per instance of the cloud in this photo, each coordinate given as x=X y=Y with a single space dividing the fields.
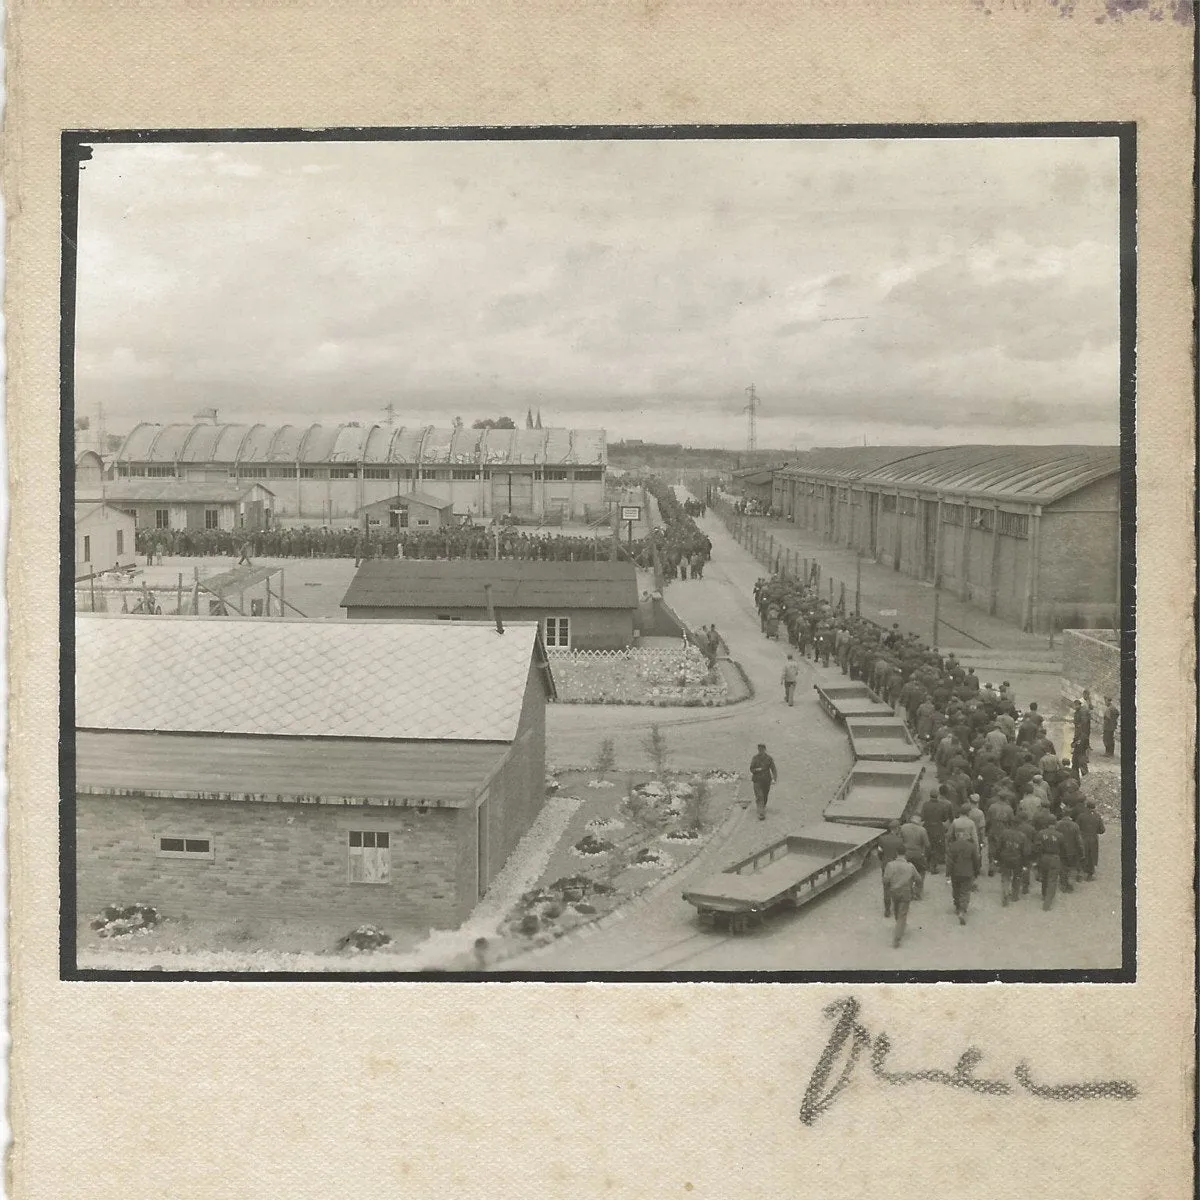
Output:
x=960 y=284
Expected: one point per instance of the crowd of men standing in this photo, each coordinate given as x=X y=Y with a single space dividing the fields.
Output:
x=1005 y=802
x=681 y=548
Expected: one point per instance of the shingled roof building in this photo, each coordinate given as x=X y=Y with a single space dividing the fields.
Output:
x=577 y=605
x=336 y=771
x=330 y=473
x=1028 y=533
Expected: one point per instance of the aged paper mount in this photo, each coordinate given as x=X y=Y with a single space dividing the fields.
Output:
x=307 y=1089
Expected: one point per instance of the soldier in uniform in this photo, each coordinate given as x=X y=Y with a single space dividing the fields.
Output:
x=890 y=847
x=1091 y=826
x=1047 y=849
x=1108 y=728
x=1013 y=851
x=1072 y=850
x=962 y=865
x=902 y=885
x=763 y=773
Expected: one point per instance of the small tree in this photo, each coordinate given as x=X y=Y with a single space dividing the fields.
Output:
x=606 y=757
x=655 y=745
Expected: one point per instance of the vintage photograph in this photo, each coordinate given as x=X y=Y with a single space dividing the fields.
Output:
x=598 y=553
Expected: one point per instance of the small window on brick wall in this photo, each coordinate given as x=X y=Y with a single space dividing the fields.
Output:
x=182 y=846
x=370 y=856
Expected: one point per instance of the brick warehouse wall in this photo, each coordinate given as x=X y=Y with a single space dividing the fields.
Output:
x=272 y=860
x=1092 y=660
x=1077 y=563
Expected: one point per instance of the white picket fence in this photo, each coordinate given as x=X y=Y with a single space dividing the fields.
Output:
x=637 y=654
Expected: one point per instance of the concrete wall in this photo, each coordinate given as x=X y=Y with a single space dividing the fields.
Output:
x=1092 y=661
x=1077 y=576
x=270 y=860
x=591 y=628
x=1076 y=548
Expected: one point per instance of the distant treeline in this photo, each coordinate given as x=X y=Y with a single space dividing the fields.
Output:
x=632 y=455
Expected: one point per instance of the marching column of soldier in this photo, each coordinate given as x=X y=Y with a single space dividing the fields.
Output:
x=1004 y=803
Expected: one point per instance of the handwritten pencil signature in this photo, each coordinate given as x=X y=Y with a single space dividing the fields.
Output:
x=851 y=1038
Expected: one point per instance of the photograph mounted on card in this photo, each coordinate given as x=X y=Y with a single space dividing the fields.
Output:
x=598 y=553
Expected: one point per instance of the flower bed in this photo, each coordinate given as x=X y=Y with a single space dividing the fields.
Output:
x=116 y=921
x=674 y=677
x=619 y=842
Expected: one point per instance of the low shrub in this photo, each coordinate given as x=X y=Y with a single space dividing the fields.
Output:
x=365 y=937
x=116 y=921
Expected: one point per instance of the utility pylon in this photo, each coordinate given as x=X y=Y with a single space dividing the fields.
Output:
x=752 y=409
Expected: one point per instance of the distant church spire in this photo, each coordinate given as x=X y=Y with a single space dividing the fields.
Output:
x=538 y=423
x=529 y=418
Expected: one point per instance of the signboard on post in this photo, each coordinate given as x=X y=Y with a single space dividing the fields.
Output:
x=631 y=512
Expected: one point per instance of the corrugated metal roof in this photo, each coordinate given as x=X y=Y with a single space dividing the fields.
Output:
x=846 y=462
x=350 y=443
x=1037 y=474
x=378 y=444
x=203 y=766
x=437 y=446
x=458 y=583
x=1030 y=474
x=294 y=678
x=229 y=443
x=257 y=447
x=169 y=491
x=199 y=446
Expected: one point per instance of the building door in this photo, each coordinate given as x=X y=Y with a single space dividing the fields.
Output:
x=929 y=541
x=481 y=844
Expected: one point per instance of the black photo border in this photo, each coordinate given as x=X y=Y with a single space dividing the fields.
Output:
x=75 y=150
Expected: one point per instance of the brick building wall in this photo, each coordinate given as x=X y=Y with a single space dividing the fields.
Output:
x=271 y=860
x=1077 y=572
x=1091 y=660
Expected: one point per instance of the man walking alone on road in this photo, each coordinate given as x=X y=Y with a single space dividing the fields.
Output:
x=899 y=878
x=763 y=773
x=790 y=674
x=890 y=847
x=962 y=858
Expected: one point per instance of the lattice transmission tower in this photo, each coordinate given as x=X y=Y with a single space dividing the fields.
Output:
x=752 y=410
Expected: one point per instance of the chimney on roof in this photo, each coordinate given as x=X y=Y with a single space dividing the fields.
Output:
x=487 y=591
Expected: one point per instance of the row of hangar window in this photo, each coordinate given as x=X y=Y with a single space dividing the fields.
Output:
x=1010 y=524
x=435 y=474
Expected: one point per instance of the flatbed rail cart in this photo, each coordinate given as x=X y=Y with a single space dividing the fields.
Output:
x=789 y=872
x=881 y=739
x=845 y=700
x=795 y=869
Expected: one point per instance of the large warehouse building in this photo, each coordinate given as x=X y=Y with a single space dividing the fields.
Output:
x=1028 y=533
x=330 y=473
x=346 y=771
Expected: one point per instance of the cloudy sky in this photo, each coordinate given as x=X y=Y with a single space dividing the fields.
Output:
x=905 y=291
